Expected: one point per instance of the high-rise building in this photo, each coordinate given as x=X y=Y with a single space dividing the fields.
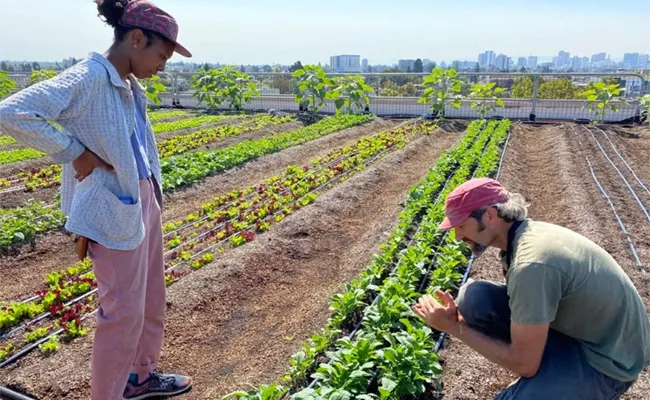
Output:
x=532 y=62
x=563 y=59
x=600 y=57
x=487 y=59
x=576 y=62
x=631 y=59
x=522 y=62
x=482 y=60
x=644 y=60
x=364 y=64
x=346 y=63
x=502 y=62
x=405 y=65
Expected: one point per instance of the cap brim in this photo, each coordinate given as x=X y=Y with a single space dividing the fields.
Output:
x=454 y=222
x=182 y=51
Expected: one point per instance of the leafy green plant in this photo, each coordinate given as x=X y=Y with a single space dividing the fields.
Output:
x=50 y=346
x=152 y=88
x=40 y=76
x=442 y=87
x=227 y=84
x=603 y=97
x=644 y=102
x=36 y=334
x=7 y=85
x=6 y=351
x=485 y=98
x=312 y=87
x=350 y=92
x=264 y=392
x=16 y=155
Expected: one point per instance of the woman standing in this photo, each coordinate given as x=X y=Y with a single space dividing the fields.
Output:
x=111 y=189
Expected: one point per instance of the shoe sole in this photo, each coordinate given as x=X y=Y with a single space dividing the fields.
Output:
x=161 y=395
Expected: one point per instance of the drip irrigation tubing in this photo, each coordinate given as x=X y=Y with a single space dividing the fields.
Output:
x=618 y=219
x=624 y=161
x=10 y=394
x=629 y=187
x=357 y=327
x=90 y=293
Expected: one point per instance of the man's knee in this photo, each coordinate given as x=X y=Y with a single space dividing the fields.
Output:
x=477 y=300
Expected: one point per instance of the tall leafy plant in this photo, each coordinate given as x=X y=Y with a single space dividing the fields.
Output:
x=152 y=88
x=442 y=87
x=645 y=107
x=603 y=97
x=42 y=75
x=351 y=92
x=217 y=86
x=485 y=98
x=312 y=87
x=7 y=85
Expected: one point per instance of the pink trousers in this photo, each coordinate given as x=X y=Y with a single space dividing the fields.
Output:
x=130 y=320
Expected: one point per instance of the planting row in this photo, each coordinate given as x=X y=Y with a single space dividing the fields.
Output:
x=23 y=154
x=190 y=168
x=160 y=116
x=278 y=197
x=23 y=223
x=391 y=355
x=5 y=140
x=50 y=176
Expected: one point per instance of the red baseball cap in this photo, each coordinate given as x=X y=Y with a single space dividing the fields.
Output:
x=146 y=15
x=469 y=197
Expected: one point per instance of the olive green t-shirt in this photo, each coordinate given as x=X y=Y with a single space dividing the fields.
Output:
x=560 y=277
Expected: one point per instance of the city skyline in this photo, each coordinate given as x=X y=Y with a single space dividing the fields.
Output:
x=257 y=33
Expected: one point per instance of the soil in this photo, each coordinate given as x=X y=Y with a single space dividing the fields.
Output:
x=24 y=268
x=239 y=319
x=547 y=165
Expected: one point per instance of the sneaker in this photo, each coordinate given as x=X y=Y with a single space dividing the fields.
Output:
x=158 y=385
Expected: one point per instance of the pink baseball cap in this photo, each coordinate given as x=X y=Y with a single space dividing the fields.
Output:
x=469 y=197
x=146 y=15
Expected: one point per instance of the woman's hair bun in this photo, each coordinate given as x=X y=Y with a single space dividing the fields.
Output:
x=111 y=10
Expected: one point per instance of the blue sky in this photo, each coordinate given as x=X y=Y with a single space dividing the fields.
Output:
x=280 y=31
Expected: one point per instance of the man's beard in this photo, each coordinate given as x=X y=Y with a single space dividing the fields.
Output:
x=477 y=249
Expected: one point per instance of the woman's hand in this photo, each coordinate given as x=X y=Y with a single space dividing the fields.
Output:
x=86 y=163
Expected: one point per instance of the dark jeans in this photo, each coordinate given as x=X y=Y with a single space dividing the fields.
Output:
x=563 y=374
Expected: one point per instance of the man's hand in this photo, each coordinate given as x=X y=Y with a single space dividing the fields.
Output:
x=86 y=164
x=441 y=317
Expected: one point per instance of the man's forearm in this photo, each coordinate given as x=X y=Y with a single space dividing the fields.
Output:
x=494 y=350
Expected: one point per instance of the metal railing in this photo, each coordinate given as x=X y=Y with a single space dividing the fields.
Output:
x=527 y=96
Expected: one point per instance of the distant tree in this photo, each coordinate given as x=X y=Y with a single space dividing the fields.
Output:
x=369 y=69
x=205 y=67
x=36 y=66
x=41 y=75
x=296 y=66
x=74 y=61
x=255 y=68
x=474 y=79
x=242 y=69
x=523 y=87
x=7 y=85
x=26 y=67
x=418 y=67
x=3 y=66
x=546 y=68
x=409 y=69
x=267 y=68
x=561 y=88
x=522 y=70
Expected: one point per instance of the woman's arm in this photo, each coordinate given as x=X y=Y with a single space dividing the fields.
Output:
x=25 y=115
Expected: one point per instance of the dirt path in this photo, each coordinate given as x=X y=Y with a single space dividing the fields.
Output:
x=240 y=319
x=547 y=165
x=24 y=270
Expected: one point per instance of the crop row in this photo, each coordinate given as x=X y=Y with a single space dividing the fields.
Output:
x=184 y=170
x=23 y=154
x=21 y=223
x=163 y=115
x=300 y=186
x=188 y=123
x=391 y=356
x=5 y=140
x=50 y=176
x=189 y=168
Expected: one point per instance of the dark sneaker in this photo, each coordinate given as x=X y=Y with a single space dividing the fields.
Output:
x=158 y=385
